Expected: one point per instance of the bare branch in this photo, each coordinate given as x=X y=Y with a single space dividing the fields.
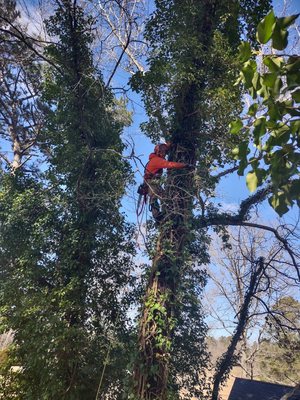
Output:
x=27 y=40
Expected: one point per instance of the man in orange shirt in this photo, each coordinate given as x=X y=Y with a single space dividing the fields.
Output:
x=153 y=173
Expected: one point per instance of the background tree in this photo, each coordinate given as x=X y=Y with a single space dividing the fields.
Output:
x=66 y=267
x=279 y=357
x=247 y=276
x=21 y=116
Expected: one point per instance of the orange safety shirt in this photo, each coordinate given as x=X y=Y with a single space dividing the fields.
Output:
x=156 y=164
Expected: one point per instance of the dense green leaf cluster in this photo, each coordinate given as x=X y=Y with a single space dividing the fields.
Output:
x=65 y=249
x=273 y=119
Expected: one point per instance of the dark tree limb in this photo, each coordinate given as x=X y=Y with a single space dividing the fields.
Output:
x=241 y=219
x=226 y=172
x=225 y=363
x=124 y=48
x=234 y=219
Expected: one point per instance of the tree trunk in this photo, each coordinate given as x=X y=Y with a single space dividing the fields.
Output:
x=158 y=320
x=225 y=363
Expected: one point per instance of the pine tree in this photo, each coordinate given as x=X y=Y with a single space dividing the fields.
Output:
x=21 y=115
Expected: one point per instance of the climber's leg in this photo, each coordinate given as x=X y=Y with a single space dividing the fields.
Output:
x=155 y=193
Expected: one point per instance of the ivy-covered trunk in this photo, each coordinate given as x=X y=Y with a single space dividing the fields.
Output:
x=161 y=306
x=158 y=317
x=66 y=265
x=190 y=99
x=81 y=135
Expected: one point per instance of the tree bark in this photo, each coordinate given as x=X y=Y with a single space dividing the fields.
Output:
x=158 y=320
x=226 y=364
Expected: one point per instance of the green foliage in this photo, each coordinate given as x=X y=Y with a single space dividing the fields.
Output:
x=274 y=119
x=190 y=98
x=265 y=28
x=189 y=351
x=65 y=248
x=157 y=315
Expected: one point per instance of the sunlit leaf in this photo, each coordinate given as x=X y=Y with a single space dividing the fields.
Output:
x=235 y=126
x=252 y=181
x=247 y=72
x=256 y=81
x=265 y=28
x=273 y=63
x=280 y=203
x=295 y=126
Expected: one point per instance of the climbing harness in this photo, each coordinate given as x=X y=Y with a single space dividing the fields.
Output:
x=142 y=200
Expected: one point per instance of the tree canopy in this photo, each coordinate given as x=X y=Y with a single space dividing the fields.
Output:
x=93 y=316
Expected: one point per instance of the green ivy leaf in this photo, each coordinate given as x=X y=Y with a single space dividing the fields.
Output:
x=273 y=63
x=271 y=124
x=295 y=126
x=293 y=80
x=252 y=181
x=285 y=22
x=243 y=165
x=247 y=72
x=280 y=202
x=240 y=151
x=259 y=129
x=265 y=28
x=245 y=51
x=269 y=79
x=296 y=96
x=235 y=126
x=253 y=109
x=293 y=64
x=274 y=112
x=264 y=91
x=277 y=86
x=279 y=136
x=256 y=81
x=279 y=38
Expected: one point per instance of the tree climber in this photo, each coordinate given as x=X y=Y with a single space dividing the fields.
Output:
x=153 y=172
